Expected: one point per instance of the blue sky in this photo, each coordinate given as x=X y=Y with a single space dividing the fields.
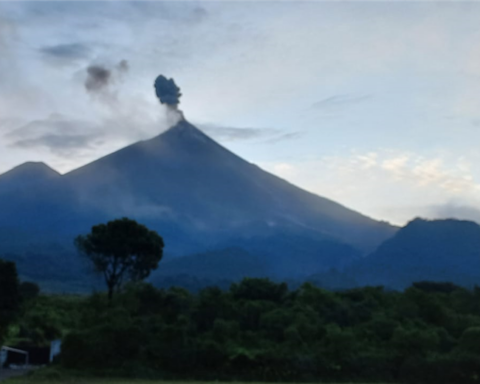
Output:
x=373 y=104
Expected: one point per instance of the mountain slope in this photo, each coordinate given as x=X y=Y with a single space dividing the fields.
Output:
x=27 y=175
x=231 y=264
x=184 y=176
x=438 y=250
x=198 y=195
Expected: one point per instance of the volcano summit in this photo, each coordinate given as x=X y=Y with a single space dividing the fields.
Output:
x=196 y=194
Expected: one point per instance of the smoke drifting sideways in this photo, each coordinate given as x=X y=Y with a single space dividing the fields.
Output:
x=99 y=77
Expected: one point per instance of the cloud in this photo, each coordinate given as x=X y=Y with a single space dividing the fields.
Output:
x=198 y=14
x=340 y=101
x=387 y=183
x=284 y=137
x=235 y=133
x=123 y=66
x=67 y=142
x=57 y=134
x=72 y=51
x=8 y=124
x=454 y=210
x=284 y=169
x=453 y=176
x=59 y=144
x=229 y=134
x=7 y=31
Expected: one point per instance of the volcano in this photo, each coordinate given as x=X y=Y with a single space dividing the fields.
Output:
x=194 y=192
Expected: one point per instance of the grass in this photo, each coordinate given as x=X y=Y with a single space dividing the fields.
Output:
x=26 y=380
x=22 y=380
x=48 y=377
x=55 y=376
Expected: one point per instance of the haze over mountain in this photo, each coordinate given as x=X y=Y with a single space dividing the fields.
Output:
x=182 y=176
x=436 y=250
x=198 y=195
x=226 y=216
x=222 y=218
x=29 y=174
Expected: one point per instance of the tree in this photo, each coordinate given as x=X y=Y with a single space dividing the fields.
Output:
x=28 y=291
x=121 y=249
x=259 y=289
x=470 y=340
x=9 y=295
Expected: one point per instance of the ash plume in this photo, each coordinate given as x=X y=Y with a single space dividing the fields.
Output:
x=99 y=77
x=123 y=66
x=167 y=91
x=169 y=94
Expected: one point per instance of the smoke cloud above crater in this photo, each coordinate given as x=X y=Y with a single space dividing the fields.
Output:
x=167 y=91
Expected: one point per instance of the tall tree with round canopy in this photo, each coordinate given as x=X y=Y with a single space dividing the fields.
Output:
x=121 y=250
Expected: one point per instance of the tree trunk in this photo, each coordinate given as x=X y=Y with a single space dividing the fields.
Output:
x=110 y=293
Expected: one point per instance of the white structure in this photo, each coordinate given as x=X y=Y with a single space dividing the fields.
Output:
x=55 y=348
x=3 y=357
x=4 y=351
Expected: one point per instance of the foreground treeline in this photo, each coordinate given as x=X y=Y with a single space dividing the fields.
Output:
x=259 y=330
x=255 y=330
x=16 y=299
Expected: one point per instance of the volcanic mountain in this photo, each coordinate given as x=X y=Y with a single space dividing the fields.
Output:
x=27 y=175
x=431 y=250
x=198 y=195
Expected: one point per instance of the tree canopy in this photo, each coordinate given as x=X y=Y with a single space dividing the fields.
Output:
x=259 y=330
x=121 y=250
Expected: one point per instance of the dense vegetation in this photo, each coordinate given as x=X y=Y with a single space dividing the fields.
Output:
x=254 y=330
x=9 y=296
x=260 y=330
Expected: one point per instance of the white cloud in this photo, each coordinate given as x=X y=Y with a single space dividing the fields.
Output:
x=369 y=160
x=387 y=184
x=284 y=169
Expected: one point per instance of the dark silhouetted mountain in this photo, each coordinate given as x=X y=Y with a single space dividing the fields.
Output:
x=297 y=255
x=438 y=250
x=27 y=175
x=231 y=264
x=198 y=195
x=184 y=178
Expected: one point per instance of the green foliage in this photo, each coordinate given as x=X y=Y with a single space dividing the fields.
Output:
x=28 y=291
x=259 y=330
x=121 y=249
x=45 y=318
x=259 y=289
x=470 y=341
x=9 y=296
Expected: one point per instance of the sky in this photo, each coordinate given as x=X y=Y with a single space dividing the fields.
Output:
x=375 y=105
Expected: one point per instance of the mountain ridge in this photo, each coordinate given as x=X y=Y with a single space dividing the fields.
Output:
x=26 y=175
x=434 y=250
x=198 y=195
